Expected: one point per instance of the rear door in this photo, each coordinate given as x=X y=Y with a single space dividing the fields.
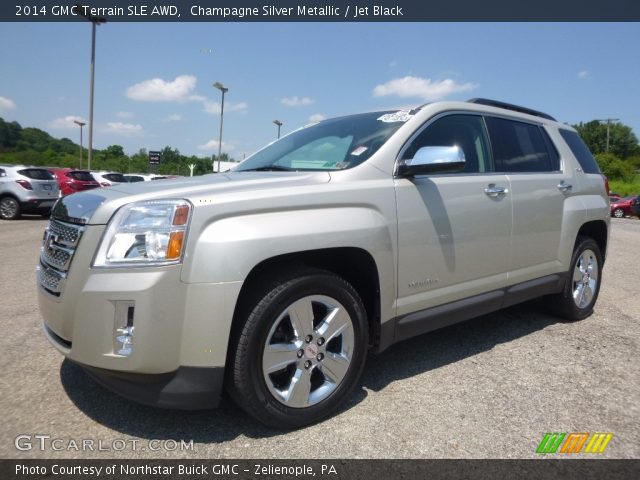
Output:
x=524 y=152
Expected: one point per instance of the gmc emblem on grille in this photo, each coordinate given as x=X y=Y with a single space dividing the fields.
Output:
x=49 y=240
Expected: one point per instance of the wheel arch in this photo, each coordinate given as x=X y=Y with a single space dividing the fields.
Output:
x=354 y=265
x=596 y=229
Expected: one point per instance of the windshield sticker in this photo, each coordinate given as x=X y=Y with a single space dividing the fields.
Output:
x=399 y=116
x=359 y=150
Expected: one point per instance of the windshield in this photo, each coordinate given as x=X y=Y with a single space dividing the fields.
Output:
x=334 y=144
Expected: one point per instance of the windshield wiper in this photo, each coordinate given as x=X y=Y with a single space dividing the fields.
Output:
x=269 y=168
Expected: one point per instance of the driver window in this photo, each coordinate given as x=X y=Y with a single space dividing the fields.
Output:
x=465 y=131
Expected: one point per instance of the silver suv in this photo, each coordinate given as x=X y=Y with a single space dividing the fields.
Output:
x=343 y=237
x=26 y=190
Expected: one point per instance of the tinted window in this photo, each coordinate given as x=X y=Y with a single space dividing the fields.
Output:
x=115 y=177
x=580 y=151
x=520 y=147
x=83 y=176
x=2 y=172
x=334 y=144
x=134 y=178
x=464 y=131
x=36 y=173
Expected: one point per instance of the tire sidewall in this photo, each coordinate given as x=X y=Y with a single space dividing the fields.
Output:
x=17 y=208
x=575 y=311
x=266 y=315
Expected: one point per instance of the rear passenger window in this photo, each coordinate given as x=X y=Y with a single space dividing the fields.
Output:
x=580 y=151
x=521 y=147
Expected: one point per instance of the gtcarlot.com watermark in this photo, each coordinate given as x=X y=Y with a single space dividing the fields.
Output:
x=48 y=443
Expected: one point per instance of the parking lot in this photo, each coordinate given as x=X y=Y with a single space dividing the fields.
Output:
x=488 y=388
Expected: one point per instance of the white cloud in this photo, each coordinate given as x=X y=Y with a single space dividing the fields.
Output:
x=159 y=90
x=424 y=88
x=214 y=107
x=174 y=117
x=296 y=101
x=584 y=74
x=7 y=104
x=316 y=117
x=212 y=146
x=125 y=115
x=120 y=128
x=66 y=123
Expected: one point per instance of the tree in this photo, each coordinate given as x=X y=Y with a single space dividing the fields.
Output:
x=614 y=168
x=622 y=141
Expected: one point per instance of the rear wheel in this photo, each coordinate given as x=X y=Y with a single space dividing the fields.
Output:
x=583 y=283
x=618 y=213
x=9 y=208
x=300 y=351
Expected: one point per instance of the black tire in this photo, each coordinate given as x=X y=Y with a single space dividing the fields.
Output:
x=262 y=394
x=564 y=304
x=9 y=208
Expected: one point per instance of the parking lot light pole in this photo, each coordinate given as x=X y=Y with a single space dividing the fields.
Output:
x=82 y=124
x=279 y=124
x=224 y=90
x=84 y=12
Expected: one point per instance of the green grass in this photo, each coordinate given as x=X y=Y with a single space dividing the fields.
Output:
x=625 y=188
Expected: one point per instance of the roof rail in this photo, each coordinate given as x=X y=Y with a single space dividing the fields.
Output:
x=510 y=106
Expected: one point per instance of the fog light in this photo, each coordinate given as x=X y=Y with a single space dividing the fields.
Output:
x=123 y=331
x=124 y=341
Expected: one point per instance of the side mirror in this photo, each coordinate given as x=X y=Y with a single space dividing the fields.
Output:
x=432 y=160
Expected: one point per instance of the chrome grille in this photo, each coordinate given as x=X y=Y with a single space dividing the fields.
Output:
x=58 y=246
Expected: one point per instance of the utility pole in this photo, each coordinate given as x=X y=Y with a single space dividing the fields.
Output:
x=608 y=120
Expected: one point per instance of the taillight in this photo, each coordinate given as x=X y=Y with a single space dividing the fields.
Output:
x=24 y=184
x=606 y=184
x=105 y=184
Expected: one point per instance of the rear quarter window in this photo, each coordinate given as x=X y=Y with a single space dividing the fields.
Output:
x=37 y=174
x=580 y=151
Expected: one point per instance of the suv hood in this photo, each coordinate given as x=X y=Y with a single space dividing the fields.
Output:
x=97 y=207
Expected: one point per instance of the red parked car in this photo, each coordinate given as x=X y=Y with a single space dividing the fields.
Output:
x=623 y=206
x=72 y=181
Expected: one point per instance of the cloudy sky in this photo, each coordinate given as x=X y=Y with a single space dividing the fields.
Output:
x=154 y=81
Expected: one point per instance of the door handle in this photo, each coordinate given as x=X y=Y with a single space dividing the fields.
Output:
x=493 y=191
x=564 y=186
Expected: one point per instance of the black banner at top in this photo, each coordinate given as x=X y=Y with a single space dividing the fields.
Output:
x=320 y=10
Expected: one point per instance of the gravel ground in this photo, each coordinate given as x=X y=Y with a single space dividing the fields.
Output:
x=488 y=388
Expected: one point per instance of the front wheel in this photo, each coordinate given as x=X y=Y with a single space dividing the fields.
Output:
x=618 y=213
x=583 y=283
x=301 y=350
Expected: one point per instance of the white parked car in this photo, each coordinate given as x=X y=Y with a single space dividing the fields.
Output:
x=106 y=179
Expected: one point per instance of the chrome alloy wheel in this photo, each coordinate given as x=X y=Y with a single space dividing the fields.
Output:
x=308 y=351
x=8 y=208
x=585 y=278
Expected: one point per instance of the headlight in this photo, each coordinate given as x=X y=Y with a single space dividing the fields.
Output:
x=145 y=233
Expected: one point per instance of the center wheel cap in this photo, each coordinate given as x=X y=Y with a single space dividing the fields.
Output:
x=311 y=351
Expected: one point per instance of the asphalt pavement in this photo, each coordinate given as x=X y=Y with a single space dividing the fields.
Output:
x=488 y=388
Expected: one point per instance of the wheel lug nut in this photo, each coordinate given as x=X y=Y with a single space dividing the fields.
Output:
x=300 y=353
x=307 y=364
x=320 y=341
x=308 y=338
x=319 y=357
